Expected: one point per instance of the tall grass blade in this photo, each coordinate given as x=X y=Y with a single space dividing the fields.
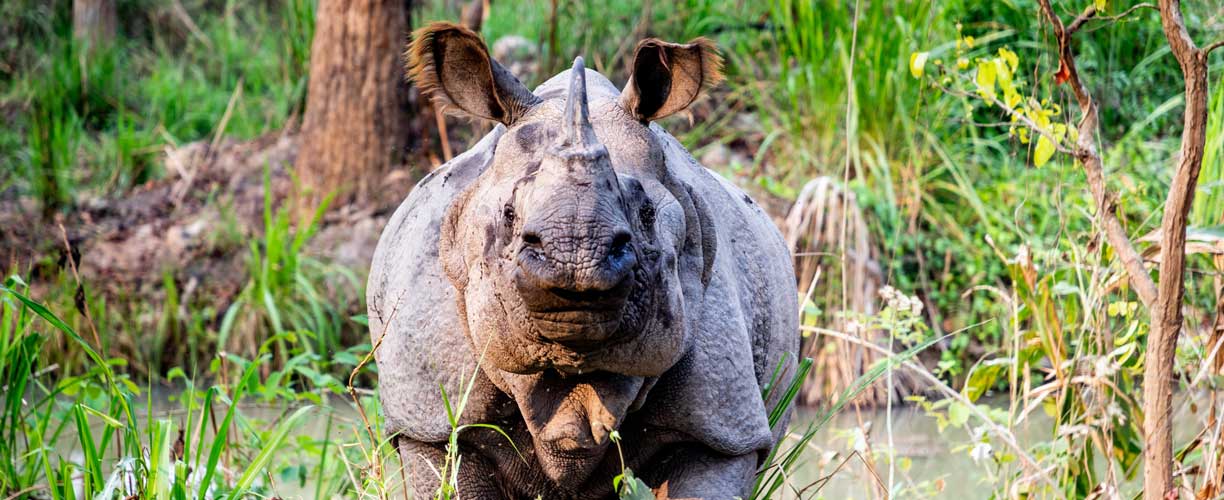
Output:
x=260 y=463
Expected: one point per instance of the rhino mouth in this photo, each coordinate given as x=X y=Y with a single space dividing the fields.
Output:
x=578 y=319
x=577 y=328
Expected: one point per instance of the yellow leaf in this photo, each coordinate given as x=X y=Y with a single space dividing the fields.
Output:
x=1060 y=131
x=1004 y=76
x=917 y=63
x=962 y=63
x=1012 y=99
x=1004 y=73
x=1101 y=4
x=1044 y=150
x=986 y=79
x=1041 y=117
x=1012 y=59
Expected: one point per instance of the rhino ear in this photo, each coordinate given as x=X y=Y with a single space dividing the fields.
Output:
x=451 y=64
x=668 y=77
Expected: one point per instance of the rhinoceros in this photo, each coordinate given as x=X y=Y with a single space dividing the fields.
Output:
x=577 y=276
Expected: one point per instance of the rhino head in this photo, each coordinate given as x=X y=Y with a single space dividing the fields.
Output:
x=575 y=251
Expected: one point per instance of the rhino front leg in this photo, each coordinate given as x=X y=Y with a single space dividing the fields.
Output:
x=423 y=461
x=695 y=473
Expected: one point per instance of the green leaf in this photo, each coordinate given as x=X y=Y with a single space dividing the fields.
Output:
x=60 y=325
x=958 y=414
x=222 y=432
x=792 y=390
x=984 y=376
x=1044 y=150
x=917 y=63
x=632 y=488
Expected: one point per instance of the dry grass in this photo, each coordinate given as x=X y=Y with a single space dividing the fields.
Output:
x=827 y=233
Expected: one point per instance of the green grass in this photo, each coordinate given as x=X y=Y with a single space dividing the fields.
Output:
x=114 y=108
x=204 y=442
x=291 y=295
x=1209 y=200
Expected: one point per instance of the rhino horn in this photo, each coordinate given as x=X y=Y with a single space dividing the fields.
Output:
x=577 y=132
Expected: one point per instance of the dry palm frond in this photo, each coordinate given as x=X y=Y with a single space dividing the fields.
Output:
x=825 y=221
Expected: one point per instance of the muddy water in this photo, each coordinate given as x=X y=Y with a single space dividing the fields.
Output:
x=929 y=463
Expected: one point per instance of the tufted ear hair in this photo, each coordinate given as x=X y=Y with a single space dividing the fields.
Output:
x=668 y=77
x=451 y=64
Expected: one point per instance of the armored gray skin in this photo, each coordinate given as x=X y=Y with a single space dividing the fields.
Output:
x=586 y=274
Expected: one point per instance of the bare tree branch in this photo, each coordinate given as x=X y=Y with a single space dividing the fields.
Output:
x=1215 y=45
x=1089 y=156
x=1079 y=20
x=1164 y=301
x=1091 y=14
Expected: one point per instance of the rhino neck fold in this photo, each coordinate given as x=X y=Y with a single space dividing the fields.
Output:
x=571 y=417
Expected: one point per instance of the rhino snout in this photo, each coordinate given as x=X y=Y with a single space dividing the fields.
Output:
x=575 y=268
x=575 y=289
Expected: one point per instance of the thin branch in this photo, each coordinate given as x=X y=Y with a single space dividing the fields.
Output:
x=1021 y=117
x=357 y=369
x=1094 y=170
x=1091 y=14
x=81 y=305
x=1066 y=58
x=1215 y=45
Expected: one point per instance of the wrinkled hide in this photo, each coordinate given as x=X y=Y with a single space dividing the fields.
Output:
x=588 y=275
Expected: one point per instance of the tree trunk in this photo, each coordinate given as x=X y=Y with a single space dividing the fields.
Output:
x=94 y=21
x=356 y=125
x=1158 y=377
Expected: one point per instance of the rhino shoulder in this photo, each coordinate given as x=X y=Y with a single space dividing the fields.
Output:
x=415 y=327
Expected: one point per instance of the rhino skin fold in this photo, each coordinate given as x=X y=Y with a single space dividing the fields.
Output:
x=592 y=275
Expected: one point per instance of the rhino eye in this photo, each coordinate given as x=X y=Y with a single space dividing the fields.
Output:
x=508 y=215
x=647 y=214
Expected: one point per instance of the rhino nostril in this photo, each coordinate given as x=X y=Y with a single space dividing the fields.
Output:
x=620 y=242
x=531 y=238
